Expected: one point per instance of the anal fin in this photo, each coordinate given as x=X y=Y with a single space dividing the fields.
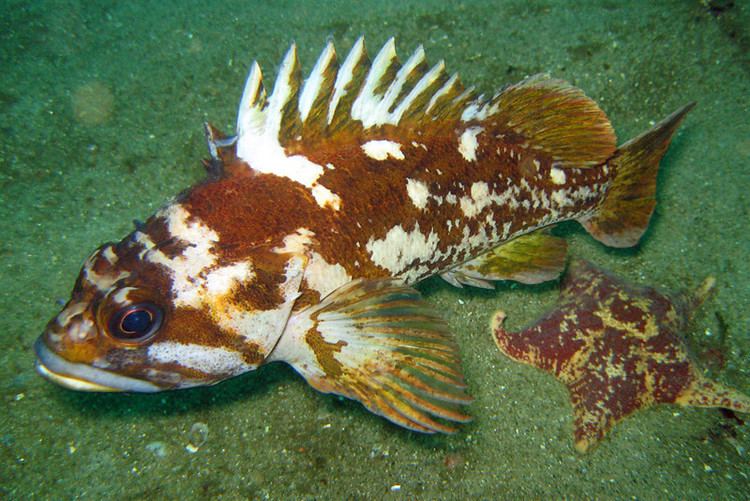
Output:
x=377 y=342
x=530 y=259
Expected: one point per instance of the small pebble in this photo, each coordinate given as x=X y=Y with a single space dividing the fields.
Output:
x=159 y=449
x=453 y=460
x=197 y=437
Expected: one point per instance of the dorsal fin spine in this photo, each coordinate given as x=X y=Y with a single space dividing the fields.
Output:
x=284 y=91
x=423 y=85
x=357 y=56
x=459 y=102
x=251 y=116
x=365 y=105
x=449 y=88
x=314 y=84
x=383 y=114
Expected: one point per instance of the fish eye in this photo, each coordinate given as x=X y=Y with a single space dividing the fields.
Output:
x=136 y=322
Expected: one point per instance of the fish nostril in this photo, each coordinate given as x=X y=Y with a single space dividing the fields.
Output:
x=81 y=329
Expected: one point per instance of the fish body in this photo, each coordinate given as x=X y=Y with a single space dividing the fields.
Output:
x=336 y=196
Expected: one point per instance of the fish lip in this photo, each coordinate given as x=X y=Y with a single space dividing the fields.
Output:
x=83 y=377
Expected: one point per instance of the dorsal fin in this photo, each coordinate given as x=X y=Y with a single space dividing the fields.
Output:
x=348 y=83
x=316 y=94
x=357 y=98
x=553 y=116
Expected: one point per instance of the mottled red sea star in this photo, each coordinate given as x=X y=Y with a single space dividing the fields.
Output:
x=618 y=348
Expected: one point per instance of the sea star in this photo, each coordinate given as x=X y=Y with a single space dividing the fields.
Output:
x=618 y=349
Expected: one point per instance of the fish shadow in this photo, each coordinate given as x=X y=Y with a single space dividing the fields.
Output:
x=249 y=387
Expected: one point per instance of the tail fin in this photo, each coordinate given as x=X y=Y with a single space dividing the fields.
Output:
x=623 y=217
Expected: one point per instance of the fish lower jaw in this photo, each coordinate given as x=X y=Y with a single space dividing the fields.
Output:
x=70 y=382
x=83 y=377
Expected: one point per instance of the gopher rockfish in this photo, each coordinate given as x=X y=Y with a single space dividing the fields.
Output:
x=338 y=194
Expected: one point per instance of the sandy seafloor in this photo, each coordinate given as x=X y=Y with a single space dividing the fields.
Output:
x=101 y=109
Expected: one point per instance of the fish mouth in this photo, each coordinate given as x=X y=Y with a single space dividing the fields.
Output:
x=84 y=377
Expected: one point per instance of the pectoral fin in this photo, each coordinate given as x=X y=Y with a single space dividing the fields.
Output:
x=529 y=259
x=377 y=342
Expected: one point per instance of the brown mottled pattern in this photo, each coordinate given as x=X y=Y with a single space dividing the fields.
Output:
x=156 y=228
x=251 y=211
x=262 y=293
x=262 y=209
x=324 y=352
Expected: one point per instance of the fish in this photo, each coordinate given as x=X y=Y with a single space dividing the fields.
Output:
x=338 y=194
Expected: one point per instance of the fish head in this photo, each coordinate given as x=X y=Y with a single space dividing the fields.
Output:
x=146 y=317
x=99 y=341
